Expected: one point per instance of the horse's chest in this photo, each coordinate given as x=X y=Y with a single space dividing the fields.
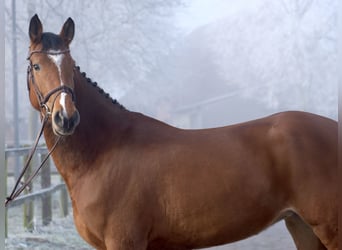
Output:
x=87 y=228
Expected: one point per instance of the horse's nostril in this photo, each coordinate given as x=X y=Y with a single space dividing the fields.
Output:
x=58 y=119
x=76 y=118
x=69 y=123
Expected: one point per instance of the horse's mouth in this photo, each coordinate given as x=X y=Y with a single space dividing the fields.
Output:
x=62 y=131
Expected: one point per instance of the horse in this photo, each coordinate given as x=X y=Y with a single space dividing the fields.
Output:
x=138 y=183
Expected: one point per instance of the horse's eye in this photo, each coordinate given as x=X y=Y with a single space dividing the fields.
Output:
x=36 y=67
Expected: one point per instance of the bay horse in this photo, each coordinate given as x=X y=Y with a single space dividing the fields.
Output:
x=138 y=183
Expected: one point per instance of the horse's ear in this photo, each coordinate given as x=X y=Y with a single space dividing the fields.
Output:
x=68 y=31
x=35 y=29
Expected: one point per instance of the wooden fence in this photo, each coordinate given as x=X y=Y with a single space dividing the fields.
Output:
x=44 y=190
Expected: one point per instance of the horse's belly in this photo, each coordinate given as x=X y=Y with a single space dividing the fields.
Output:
x=210 y=203
x=213 y=222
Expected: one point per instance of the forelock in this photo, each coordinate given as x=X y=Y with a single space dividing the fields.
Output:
x=52 y=41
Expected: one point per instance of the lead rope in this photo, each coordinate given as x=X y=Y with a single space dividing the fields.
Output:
x=18 y=190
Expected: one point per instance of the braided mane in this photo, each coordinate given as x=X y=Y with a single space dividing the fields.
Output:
x=99 y=89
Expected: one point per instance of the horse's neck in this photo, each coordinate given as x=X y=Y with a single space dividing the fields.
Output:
x=102 y=123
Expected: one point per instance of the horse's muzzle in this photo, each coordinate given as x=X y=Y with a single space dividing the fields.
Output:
x=65 y=125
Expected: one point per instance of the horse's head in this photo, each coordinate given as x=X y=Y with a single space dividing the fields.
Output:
x=50 y=75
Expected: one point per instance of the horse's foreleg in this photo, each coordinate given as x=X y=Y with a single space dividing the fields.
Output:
x=302 y=234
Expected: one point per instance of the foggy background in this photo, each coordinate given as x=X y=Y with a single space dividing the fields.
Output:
x=199 y=63
x=190 y=63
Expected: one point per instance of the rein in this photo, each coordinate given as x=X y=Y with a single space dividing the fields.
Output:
x=16 y=191
x=45 y=113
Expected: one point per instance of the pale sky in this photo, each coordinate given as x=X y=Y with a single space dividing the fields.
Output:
x=200 y=12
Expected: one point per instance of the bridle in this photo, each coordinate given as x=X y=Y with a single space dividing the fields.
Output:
x=61 y=89
x=45 y=115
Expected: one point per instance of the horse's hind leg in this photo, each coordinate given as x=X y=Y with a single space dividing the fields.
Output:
x=302 y=234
